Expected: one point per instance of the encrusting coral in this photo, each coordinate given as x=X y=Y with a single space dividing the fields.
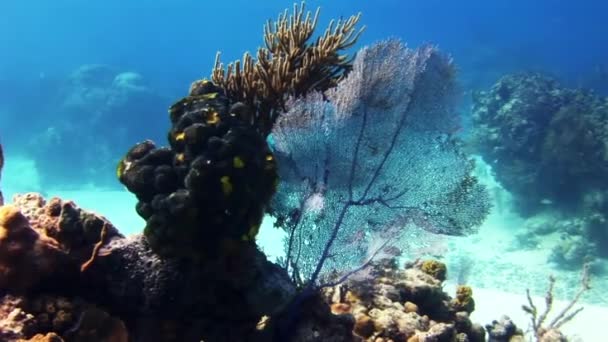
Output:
x=57 y=318
x=26 y=256
x=288 y=64
x=402 y=305
x=40 y=239
x=434 y=268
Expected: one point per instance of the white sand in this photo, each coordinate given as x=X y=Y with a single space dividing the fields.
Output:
x=492 y=304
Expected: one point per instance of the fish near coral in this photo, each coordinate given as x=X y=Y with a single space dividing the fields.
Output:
x=25 y=255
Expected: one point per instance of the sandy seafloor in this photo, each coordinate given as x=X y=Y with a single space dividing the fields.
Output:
x=498 y=271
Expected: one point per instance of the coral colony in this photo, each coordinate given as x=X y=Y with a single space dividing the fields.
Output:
x=347 y=153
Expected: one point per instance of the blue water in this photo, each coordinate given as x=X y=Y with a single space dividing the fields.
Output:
x=173 y=42
x=170 y=43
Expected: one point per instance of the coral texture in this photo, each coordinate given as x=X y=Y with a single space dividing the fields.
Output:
x=402 y=305
x=548 y=144
x=206 y=193
x=43 y=244
x=351 y=162
x=288 y=64
x=56 y=318
x=26 y=256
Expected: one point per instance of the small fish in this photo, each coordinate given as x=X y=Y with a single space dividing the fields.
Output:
x=546 y=201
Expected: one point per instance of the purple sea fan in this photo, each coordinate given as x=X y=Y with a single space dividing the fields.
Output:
x=375 y=151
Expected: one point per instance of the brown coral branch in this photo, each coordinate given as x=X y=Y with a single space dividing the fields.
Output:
x=564 y=316
x=548 y=304
x=96 y=248
x=288 y=65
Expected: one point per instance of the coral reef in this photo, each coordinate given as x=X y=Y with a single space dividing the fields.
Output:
x=196 y=274
x=26 y=256
x=45 y=244
x=209 y=190
x=547 y=143
x=392 y=304
x=288 y=64
x=41 y=240
x=56 y=318
x=464 y=301
x=504 y=330
x=573 y=251
x=550 y=332
x=90 y=101
x=146 y=285
x=350 y=160
x=570 y=238
x=131 y=293
x=435 y=269
x=549 y=147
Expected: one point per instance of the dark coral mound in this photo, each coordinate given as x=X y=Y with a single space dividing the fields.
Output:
x=547 y=143
x=169 y=299
x=209 y=189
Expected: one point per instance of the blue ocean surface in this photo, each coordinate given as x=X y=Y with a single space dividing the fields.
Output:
x=81 y=82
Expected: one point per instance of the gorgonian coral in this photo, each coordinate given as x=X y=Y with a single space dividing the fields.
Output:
x=371 y=158
x=288 y=64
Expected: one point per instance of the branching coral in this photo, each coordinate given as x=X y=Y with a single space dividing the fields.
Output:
x=541 y=331
x=289 y=64
x=351 y=162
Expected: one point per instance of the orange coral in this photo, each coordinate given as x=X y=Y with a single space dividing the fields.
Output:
x=25 y=255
